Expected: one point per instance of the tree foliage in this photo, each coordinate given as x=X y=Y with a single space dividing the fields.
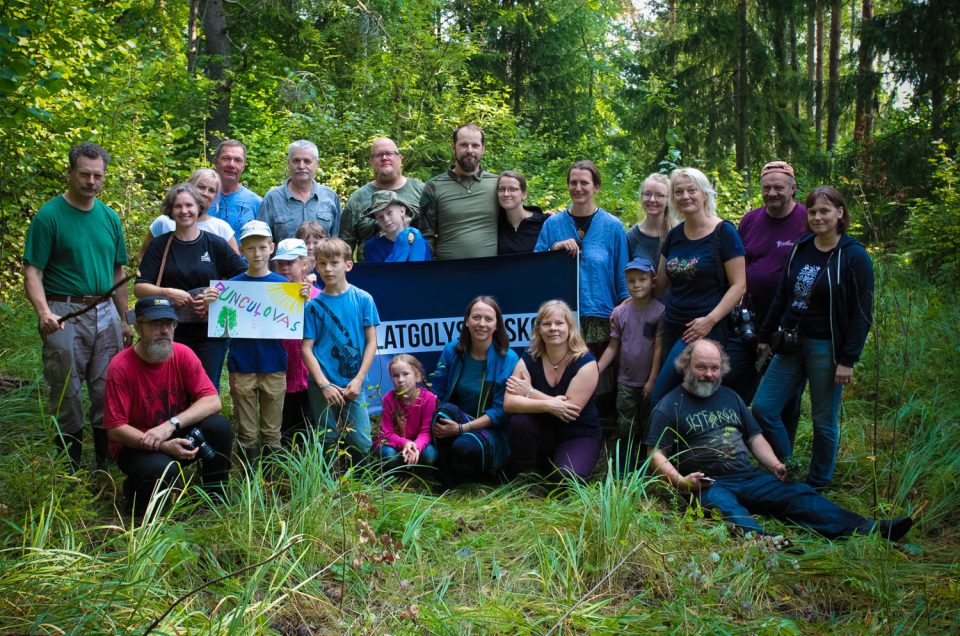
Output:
x=638 y=87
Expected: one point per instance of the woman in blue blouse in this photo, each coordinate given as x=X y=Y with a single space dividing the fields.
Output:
x=600 y=240
x=471 y=376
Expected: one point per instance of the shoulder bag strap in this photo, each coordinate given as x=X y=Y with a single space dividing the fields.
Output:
x=163 y=259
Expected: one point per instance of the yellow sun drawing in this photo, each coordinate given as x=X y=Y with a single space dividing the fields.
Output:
x=286 y=296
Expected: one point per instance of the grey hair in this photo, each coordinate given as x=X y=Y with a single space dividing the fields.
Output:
x=682 y=363
x=702 y=182
x=303 y=144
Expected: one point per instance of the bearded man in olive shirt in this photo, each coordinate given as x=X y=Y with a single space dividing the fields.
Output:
x=458 y=209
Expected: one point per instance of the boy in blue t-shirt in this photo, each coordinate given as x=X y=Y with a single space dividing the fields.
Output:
x=257 y=366
x=636 y=334
x=339 y=344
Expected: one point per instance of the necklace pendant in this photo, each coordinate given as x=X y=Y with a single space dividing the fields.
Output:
x=581 y=234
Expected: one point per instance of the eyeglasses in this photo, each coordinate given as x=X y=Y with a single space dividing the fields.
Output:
x=508 y=190
x=389 y=154
x=654 y=195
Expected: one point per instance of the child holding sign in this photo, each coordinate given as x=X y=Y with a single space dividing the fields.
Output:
x=291 y=262
x=257 y=366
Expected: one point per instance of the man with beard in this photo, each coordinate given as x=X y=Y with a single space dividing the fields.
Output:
x=74 y=254
x=710 y=433
x=458 y=209
x=387 y=164
x=158 y=398
x=236 y=204
x=768 y=234
x=286 y=207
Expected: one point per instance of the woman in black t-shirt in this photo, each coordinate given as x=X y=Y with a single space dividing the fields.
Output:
x=825 y=300
x=518 y=224
x=553 y=421
x=180 y=265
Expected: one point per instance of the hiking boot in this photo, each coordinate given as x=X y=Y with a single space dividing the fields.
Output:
x=894 y=529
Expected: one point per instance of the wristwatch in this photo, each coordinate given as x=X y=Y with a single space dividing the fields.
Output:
x=176 y=423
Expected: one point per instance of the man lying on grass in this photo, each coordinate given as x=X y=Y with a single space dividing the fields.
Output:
x=711 y=432
x=161 y=410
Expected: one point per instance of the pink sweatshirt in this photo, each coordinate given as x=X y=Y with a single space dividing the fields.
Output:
x=419 y=415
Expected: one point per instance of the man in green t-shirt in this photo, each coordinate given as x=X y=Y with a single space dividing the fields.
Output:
x=74 y=254
x=387 y=164
x=458 y=209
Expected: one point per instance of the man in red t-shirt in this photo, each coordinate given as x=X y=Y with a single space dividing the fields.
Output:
x=160 y=408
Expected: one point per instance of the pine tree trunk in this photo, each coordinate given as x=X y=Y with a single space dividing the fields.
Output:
x=818 y=81
x=218 y=63
x=192 y=36
x=833 y=88
x=865 y=85
x=740 y=89
x=794 y=63
x=811 y=59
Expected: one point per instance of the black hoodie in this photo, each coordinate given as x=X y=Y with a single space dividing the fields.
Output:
x=850 y=280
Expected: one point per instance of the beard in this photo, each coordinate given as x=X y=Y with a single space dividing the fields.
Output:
x=468 y=164
x=702 y=388
x=158 y=351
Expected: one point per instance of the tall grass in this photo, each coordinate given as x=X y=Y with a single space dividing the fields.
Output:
x=304 y=544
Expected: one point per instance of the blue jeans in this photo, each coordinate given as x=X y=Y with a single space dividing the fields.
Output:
x=392 y=457
x=738 y=496
x=783 y=379
x=349 y=422
x=744 y=379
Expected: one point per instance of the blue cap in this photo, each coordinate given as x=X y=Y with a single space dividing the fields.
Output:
x=641 y=264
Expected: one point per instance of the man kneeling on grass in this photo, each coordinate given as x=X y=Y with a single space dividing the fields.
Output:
x=710 y=429
x=162 y=411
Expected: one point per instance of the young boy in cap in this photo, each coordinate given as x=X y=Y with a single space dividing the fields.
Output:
x=257 y=366
x=291 y=263
x=636 y=334
x=397 y=241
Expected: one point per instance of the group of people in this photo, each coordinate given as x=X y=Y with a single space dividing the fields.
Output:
x=667 y=310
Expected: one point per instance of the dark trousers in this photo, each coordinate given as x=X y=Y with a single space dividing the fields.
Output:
x=744 y=378
x=738 y=496
x=535 y=445
x=297 y=416
x=148 y=470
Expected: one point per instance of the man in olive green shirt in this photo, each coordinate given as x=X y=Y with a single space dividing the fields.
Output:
x=387 y=164
x=458 y=209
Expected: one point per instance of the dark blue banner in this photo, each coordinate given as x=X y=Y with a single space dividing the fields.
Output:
x=421 y=305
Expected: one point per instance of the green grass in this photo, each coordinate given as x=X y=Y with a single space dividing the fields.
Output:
x=300 y=548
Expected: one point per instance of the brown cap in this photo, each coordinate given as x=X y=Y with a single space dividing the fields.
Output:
x=777 y=166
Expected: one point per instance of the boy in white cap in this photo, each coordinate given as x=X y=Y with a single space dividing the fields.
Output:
x=291 y=262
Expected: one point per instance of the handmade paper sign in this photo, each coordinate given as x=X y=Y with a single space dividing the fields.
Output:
x=256 y=310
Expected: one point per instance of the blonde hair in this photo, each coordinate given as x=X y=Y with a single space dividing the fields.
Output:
x=702 y=183
x=200 y=175
x=310 y=229
x=331 y=247
x=399 y=416
x=669 y=217
x=575 y=340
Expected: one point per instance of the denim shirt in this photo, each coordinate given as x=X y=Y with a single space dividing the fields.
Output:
x=285 y=213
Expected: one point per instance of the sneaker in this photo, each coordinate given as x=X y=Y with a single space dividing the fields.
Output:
x=894 y=529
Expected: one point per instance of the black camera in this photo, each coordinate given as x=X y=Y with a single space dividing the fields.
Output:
x=204 y=451
x=741 y=320
x=786 y=341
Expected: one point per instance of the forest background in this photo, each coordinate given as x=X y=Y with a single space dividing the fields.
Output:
x=860 y=94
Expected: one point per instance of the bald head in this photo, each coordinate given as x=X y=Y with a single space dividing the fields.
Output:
x=387 y=164
x=703 y=364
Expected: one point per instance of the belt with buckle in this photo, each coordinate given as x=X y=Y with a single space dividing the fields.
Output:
x=79 y=300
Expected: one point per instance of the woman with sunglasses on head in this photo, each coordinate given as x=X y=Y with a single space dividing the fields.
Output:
x=821 y=316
